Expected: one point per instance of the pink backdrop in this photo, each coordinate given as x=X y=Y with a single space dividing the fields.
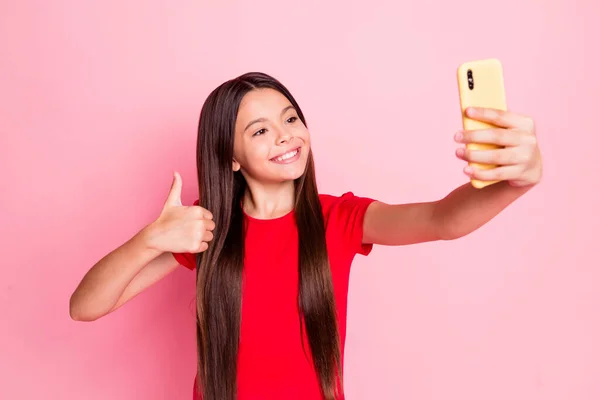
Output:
x=99 y=103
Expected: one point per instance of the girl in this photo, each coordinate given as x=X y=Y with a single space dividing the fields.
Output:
x=272 y=255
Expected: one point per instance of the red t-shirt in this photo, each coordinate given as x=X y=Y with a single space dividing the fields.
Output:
x=271 y=361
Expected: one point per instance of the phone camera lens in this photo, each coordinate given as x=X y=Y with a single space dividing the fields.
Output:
x=470 y=79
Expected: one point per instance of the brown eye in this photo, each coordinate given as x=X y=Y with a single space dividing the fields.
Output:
x=260 y=132
x=292 y=120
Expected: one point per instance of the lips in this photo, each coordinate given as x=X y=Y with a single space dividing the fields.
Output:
x=289 y=156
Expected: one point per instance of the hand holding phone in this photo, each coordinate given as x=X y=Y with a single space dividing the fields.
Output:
x=480 y=84
x=500 y=145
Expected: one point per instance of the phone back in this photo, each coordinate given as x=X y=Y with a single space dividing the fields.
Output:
x=480 y=84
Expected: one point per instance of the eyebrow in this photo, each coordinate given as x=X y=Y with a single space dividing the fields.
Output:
x=264 y=119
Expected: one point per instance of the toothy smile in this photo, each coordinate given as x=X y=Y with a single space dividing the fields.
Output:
x=287 y=157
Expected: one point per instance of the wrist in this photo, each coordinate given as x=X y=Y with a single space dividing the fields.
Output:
x=147 y=237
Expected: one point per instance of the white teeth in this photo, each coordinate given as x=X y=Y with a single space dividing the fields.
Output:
x=287 y=155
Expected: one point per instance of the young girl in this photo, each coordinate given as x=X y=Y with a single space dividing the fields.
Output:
x=272 y=255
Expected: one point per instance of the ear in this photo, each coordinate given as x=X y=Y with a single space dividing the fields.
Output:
x=235 y=166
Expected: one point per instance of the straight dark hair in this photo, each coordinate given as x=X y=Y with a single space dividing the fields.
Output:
x=219 y=268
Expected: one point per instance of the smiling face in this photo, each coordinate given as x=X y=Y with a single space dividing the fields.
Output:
x=271 y=143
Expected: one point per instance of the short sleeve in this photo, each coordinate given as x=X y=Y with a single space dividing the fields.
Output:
x=188 y=260
x=346 y=216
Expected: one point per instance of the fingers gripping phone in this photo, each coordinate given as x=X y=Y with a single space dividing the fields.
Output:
x=480 y=84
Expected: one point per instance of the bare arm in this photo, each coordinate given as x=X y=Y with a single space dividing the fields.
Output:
x=144 y=259
x=119 y=276
x=400 y=224
x=465 y=209
x=459 y=213
x=153 y=272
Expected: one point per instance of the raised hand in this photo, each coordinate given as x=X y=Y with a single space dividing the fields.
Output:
x=181 y=229
x=518 y=160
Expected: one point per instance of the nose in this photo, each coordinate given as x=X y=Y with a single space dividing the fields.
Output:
x=284 y=137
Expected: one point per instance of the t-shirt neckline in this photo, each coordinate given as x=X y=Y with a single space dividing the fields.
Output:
x=285 y=216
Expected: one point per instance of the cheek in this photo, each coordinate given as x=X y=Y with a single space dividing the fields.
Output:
x=304 y=134
x=256 y=152
x=241 y=158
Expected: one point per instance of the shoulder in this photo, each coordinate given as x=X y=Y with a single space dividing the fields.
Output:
x=344 y=216
x=344 y=210
x=330 y=200
x=343 y=203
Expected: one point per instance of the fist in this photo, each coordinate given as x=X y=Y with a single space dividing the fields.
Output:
x=179 y=228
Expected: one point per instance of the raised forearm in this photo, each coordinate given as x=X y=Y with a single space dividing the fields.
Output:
x=466 y=209
x=105 y=282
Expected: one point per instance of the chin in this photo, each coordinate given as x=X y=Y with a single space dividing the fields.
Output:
x=290 y=175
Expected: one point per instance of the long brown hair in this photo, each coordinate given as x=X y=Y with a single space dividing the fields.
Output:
x=219 y=269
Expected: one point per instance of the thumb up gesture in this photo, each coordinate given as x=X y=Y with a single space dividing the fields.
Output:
x=179 y=228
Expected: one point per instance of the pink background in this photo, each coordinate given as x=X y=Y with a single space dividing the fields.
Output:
x=99 y=104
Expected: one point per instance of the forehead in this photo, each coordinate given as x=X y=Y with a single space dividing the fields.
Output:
x=262 y=103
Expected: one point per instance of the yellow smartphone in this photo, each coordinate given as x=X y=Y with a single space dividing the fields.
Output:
x=480 y=84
